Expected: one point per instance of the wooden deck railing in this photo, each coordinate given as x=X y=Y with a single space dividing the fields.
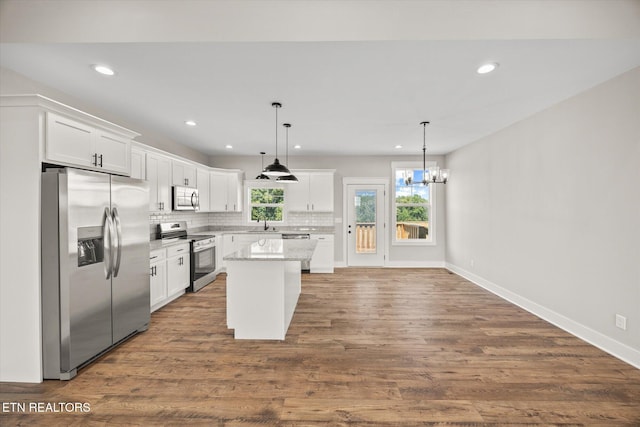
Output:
x=406 y=230
x=365 y=237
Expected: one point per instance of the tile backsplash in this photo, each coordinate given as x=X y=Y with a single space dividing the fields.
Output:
x=202 y=219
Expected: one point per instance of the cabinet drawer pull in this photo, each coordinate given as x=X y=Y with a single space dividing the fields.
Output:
x=154 y=257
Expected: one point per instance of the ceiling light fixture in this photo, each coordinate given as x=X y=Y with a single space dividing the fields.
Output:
x=291 y=178
x=262 y=175
x=397 y=147
x=228 y=147
x=487 y=68
x=190 y=123
x=297 y=146
x=275 y=168
x=103 y=69
x=434 y=174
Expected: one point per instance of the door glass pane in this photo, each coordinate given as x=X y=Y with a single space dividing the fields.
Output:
x=365 y=209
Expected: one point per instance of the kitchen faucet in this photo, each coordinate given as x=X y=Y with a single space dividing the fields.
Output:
x=266 y=227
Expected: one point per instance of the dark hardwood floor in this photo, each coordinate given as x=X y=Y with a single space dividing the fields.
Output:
x=375 y=347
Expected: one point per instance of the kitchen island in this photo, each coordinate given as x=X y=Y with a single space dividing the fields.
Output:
x=263 y=285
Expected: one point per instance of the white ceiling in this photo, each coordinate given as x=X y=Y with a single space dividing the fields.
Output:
x=341 y=97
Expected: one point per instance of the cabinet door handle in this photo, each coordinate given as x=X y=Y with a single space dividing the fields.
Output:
x=100 y=156
x=180 y=250
x=312 y=207
x=94 y=159
x=154 y=257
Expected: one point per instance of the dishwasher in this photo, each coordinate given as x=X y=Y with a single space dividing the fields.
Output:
x=304 y=265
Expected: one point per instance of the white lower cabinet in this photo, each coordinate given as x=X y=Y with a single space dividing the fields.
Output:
x=177 y=269
x=322 y=260
x=170 y=274
x=158 y=280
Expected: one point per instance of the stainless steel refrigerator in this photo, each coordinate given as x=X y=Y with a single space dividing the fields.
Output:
x=95 y=265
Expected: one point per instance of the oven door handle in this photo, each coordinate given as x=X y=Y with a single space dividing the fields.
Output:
x=203 y=248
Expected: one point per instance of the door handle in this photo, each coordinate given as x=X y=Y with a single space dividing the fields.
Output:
x=94 y=159
x=118 y=245
x=197 y=202
x=100 y=156
x=106 y=243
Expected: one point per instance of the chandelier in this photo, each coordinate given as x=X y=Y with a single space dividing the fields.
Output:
x=433 y=175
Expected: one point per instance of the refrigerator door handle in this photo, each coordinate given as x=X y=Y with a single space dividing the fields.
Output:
x=118 y=241
x=107 y=242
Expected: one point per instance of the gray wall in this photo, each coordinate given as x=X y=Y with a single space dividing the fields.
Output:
x=358 y=166
x=12 y=83
x=548 y=212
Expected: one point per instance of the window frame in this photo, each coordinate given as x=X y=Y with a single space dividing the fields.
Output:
x=260 y=184
x=431 y=206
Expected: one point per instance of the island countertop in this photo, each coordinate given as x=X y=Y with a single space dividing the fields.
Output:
x=275 y=250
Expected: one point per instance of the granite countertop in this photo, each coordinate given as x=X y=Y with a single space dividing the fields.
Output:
x=259 y=229
x=275 y=250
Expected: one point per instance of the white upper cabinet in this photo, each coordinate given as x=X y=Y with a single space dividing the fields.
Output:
x=138 y=163
x=183 y=174
x=159 y=177
x=225 y=192
x=313 y=192
x=74 y=143
x=202 y=178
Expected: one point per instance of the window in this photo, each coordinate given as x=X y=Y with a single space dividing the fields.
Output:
x=266 y=204
x=412 y=211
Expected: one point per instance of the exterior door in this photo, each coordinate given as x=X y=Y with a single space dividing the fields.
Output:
x=365 y=225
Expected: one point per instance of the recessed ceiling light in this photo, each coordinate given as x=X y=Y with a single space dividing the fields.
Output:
x=487 y=68
x=398 y=147
x=190 y=123
x=297 y=147
x=103 y=69
x=228 y=147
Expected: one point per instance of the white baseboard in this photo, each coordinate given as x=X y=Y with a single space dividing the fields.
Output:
x=603 y=342
x=415 y=264
x=402 y=264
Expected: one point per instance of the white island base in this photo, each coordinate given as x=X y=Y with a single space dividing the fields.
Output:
x=261 y=298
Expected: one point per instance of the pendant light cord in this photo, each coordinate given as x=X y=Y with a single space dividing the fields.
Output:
x=276 y=107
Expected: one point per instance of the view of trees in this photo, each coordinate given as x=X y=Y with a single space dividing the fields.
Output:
x=272 y=198
x=411 y=213
x=366 y=210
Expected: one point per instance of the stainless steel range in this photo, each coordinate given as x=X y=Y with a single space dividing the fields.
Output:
x=203 y=252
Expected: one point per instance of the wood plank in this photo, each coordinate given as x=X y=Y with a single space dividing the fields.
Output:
x=367 y=346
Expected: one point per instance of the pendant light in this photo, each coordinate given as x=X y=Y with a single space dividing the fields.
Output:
x=434 y=175
x=262 y=175
x=291 y=178
x=275 y=168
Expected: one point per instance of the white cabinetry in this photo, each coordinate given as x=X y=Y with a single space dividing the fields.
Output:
x=313 y=192
x=183 y=174
x=158 y=175
x=225 y=192
x=178 y=269
x=202 y=179
x=322 y=260
x=158 y=279
x=138 y=163
x=75 y=143
x=170 y=274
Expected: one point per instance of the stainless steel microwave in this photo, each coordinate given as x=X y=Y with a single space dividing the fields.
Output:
x=185 y=198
